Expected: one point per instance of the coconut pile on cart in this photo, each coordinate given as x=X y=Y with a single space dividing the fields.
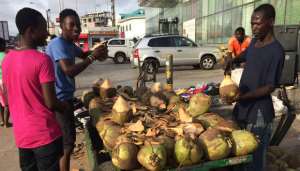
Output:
x=154 y=129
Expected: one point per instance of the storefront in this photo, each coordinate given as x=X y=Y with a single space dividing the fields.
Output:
x=211 y=21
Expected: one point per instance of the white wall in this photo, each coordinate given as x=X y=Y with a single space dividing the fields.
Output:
x=138 y=27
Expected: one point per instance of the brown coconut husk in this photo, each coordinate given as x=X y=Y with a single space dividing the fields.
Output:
x=227 y=126
x=228 y=89
x=215 y=145
x=210 y=119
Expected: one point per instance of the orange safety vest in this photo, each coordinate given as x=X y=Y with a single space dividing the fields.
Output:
x=236 y=47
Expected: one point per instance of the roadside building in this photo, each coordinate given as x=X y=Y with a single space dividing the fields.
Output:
x=132 y=24
x=211 y=21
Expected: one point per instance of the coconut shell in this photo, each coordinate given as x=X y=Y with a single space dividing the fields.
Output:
x=210 y=119
x=187 y=152
x=199 y=104
x=227 y=126
x=124 y=156
x=214 y=144
x=109 y=134
x=121 y=105
x=153 y=157
x=104 y=87
x=121 y=117
x=228 y=89
x=193 y=129
x=243 y=142
x=184 y=116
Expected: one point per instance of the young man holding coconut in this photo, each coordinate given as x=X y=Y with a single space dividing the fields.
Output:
x=264 y=62
x=63 y=51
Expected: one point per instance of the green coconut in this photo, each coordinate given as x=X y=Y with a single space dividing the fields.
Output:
x=187 y=152
x=199 y=104
x=153 y=156
x=243 y=142
x=124 y=155
x=215 y=145
x=86 y=97
x=95 y=106
x=109 y=133
x=169 y=145
x=121 y=111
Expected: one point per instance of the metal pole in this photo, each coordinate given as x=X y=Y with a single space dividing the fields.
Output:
x=113 y=11
x=169 y=72
x=48 y=24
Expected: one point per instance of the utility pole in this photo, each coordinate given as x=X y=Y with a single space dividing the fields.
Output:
x=48 y=19
x=113 y=13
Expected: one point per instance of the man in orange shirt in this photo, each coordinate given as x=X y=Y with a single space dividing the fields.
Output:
x=239 y=42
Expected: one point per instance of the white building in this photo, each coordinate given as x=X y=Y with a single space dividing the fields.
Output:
x=96 y=20
x=132 y=24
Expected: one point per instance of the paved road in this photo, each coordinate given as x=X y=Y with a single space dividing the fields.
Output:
x=124 y=75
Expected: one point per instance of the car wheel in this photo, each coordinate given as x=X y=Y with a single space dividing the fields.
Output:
x=207 y=62
x=120 y=58
x=150 y=66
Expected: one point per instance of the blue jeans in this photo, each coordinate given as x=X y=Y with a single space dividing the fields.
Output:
x=263 y=131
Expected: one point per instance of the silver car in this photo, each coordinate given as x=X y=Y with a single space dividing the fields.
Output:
x=154 y=49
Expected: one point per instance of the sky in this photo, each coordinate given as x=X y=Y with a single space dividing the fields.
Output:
x=9 y=8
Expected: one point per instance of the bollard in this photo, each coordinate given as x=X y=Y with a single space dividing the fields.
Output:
x=169 y=72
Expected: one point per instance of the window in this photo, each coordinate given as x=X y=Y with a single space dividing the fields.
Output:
x=183 y=42
x=292 y=12
x=279 y=6
x=161 y=42
x=129 y=27
x=117 y=42
x=90 y=20
x=232 y=3
x=126 y=27
x=247 y=13
x=84 y=20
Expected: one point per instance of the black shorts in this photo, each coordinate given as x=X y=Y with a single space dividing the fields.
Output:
x=41 y=158
x=66 y=121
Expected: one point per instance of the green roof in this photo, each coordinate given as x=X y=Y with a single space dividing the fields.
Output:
x=136 y=13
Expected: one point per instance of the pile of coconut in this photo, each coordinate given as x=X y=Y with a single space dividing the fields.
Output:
x=155 y=130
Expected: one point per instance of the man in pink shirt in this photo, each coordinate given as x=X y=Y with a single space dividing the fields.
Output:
x=29 y=80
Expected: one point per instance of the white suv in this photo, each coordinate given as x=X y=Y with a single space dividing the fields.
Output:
x=153 y=50
x=119 y=49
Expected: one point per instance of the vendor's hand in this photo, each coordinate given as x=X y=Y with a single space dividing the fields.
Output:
x=100 y=52
x=230 y=100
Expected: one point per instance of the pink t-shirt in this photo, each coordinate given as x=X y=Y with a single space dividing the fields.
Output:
x=24 y=72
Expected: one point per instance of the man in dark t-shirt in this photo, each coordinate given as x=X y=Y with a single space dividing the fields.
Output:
x=264 y=61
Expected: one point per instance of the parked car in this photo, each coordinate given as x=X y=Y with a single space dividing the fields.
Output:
x=119 y=49
x=153 y=49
